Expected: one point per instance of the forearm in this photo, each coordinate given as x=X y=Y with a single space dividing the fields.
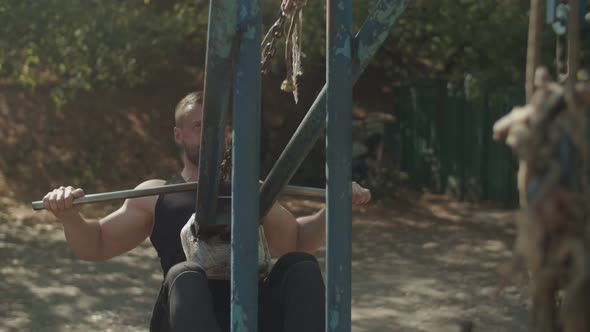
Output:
x=83 y=237
x=312 y=232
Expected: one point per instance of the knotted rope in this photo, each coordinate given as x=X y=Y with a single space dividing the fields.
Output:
x=291 y=12
x=293 y=9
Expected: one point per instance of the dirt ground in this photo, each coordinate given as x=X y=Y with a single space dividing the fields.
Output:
x=425 y=265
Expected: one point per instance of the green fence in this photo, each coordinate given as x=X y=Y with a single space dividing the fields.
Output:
x=443 y=141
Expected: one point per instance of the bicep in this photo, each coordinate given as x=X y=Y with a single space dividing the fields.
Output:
x=281 y=230
x=124 y=230
x=129 y=226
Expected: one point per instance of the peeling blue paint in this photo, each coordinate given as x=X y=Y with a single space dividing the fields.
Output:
x=243 y=13
x=250 y=32
x=337 y=113
x=383 y=14
x=378 y=26
x=239 y=325
x=246 y=171
x=222 y=26
x=338 y=174
x=334 y=319
x=366 y=51
x=345 y=50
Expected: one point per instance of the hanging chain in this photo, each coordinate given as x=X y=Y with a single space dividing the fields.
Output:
x=269 y=43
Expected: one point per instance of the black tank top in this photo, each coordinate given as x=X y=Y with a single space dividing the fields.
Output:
x=171 y=213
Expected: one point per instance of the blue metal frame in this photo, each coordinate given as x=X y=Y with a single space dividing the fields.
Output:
x=218 y=77
x=366 y=43
x=246 y=170
x=345 y=63
x=338 y=165
x=550 y=11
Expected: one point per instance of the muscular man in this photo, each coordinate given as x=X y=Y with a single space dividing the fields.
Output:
x=291 y=295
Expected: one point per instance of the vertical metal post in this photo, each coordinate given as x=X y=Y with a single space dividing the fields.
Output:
x=246 y=171
x=218 y=77
x=549 y=11
x=338 y=165
x=573 y=36
x=366 y=43
x=534 y=45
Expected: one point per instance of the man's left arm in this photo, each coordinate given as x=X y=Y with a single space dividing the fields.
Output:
x=285 y=233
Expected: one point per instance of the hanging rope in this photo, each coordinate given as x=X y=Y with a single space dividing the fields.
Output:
x=548 y=136
x=294 y=10
x=291 y=12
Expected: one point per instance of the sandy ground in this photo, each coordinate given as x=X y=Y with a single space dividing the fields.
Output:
x=424 y=266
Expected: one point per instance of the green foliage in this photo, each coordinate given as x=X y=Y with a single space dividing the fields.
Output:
x=86 y=45
x=94 y=44
x=452 y=38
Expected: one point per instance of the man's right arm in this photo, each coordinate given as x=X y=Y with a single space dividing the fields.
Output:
x=113 y=235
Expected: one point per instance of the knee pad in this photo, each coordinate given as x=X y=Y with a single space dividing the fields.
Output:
x=181 y=268
x=189 y=299
x=291 y=262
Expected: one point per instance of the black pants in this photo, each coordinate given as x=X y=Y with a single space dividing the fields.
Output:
x=290 y=299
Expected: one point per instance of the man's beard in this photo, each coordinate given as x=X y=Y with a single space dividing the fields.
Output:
x=192 y=154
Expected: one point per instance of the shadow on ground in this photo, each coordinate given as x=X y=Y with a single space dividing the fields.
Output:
x=416 y=267
x=430 y=266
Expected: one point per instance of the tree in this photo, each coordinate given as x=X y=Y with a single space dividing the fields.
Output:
x=89 y=45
